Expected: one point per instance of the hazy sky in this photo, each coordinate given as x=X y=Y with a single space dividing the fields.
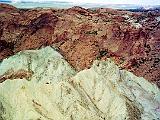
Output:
x=141 y=2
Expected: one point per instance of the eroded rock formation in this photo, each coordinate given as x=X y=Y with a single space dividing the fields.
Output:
x=132 y=40
x=43 y=86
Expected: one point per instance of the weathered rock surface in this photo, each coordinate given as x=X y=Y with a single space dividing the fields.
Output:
x=41 y=85
x=132 y=40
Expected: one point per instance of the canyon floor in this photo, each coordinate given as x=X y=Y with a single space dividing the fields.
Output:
x=79 y=64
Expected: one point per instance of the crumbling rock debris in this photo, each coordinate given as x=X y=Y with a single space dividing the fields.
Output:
x=10 y=74
x=81 y=35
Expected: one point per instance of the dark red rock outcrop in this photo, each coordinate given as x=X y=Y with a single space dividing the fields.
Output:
x=81 y=35
x=7 y=8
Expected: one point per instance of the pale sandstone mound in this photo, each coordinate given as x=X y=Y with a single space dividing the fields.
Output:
x=41 y=85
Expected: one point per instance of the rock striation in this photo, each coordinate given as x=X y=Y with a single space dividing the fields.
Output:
x=81 y=35
x=41 y=85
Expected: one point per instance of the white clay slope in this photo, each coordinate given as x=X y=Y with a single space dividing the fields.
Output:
x=41 y=85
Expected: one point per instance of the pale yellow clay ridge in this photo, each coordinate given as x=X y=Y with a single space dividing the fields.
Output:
x=41 y=85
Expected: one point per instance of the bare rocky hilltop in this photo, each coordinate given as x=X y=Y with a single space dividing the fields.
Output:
x=41 y=85
x=131 y=39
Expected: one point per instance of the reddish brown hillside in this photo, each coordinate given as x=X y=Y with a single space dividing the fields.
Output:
x=84 y=35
